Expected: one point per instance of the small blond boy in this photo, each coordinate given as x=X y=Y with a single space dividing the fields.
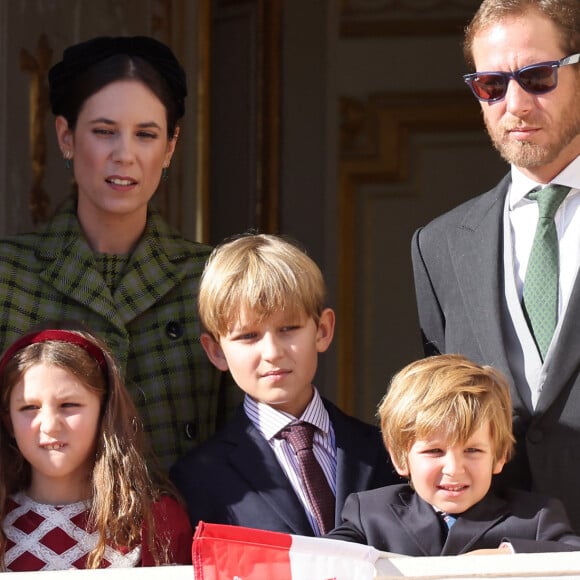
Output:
x=447 y=424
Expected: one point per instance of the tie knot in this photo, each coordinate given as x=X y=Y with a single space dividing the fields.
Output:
x=448 y=519
x=549 y=199
x=299 y=435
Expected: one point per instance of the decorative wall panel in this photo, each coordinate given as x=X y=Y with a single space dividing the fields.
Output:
x=404 y=160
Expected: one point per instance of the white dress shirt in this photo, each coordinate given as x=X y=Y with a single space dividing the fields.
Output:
x=523 y=212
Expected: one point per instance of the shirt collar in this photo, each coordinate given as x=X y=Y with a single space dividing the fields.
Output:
x=521 y=184
x=269 y=421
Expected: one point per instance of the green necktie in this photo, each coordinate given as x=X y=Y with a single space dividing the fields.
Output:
x=541 y=283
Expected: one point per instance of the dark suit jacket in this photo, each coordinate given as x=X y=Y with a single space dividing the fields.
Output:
x=235 y=478
x=395 y=519
x=458 y=267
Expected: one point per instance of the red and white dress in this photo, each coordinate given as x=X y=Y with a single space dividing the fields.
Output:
x=47 y=537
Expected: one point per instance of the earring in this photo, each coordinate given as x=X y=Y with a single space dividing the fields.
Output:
x=67 y=160
x=165 y=174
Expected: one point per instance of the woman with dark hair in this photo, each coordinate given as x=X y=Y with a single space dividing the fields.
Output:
x=107 y=258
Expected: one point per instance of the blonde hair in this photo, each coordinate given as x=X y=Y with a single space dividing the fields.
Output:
x=563 y=13
x=260 y=273
x=447 y=393
x=121 y=487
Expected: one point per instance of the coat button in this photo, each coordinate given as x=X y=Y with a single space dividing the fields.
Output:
x=535 y=436
x=174 y=330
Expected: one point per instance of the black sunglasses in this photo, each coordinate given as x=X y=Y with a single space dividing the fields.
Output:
x=536 y=79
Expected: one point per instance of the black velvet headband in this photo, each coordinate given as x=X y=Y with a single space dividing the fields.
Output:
x=78 y=58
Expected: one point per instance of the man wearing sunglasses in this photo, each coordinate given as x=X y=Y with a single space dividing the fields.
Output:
x=473 y=265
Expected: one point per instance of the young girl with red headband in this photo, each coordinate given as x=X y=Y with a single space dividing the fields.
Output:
x=75 y=490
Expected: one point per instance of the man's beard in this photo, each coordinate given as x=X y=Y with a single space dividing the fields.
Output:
x=526 y=155
x=529 y=155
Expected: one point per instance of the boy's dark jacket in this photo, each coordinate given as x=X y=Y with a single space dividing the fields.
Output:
x=235 y=478
x=396 y=519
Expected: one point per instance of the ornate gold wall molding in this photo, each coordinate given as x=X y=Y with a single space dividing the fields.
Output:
x=375 y=149
x=38 y=65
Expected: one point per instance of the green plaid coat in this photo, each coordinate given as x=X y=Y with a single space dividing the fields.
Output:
x=150 y=322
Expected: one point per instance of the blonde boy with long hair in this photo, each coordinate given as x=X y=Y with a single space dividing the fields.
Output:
x=447 y=424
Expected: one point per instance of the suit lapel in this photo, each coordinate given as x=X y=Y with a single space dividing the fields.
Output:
x=474 y=524
x=478 y=268
x=476 y=249
x=354 y=467
x=253 y=459
x=562 y=365
x=419 y=522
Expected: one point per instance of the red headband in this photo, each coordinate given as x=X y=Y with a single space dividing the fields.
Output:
x=59 y=336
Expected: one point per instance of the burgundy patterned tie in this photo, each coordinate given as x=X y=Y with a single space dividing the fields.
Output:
x=320 y=496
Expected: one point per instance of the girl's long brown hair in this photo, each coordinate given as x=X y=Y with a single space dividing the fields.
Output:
x=120 y=488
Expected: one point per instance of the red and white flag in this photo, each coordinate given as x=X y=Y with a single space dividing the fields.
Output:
x=222 y=552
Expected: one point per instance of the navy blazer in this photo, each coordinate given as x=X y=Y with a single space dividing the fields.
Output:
x=234 y=477
x=395 y=519
x=458 y=268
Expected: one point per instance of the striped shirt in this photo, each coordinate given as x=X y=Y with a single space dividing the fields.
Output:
x=269 y=422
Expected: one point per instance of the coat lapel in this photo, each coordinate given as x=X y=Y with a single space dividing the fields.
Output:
x=563 y=367
x=474 y=524
x=158 y=264
x=254 y=461
x=354 y=459
x=419 y=522
x=480 y=278
x=152 y=271
x=71 y=271
x=479 y=272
